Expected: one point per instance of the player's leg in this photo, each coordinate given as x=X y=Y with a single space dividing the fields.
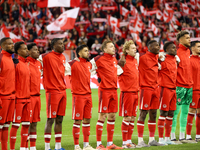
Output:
x=33 y=135
x=198 y=123
x=130 y=130
x=58 y=131
x=190 y=117
x=76 y=133
x=124 y=130
x=161 y=125
x=47 y=132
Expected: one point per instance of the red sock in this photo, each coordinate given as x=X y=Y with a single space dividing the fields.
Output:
x=76 y=133
x=13 y=133
x=47 y=137
x=1 y=127
x=168 y=126
x=4 y=136
x=24 y=133
x=189 y=123
x=27 y=142
x=140 y=127
x=99 y=130
x=58 y=136
x=130 y=130
x=124 y=129
x=197 y=124
x=33 y=137
x=110 y=130
x=86 y=131
x=152 y=128
x=161 y=123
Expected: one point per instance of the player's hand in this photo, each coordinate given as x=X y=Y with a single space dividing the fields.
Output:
x=161 y=57
x=77 y=59
x=122 y=61
x=177 y=59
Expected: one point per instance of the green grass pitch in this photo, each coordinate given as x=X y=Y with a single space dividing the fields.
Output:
x=67 y=138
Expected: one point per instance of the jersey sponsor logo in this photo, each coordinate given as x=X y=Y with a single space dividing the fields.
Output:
x=77 y=115
x=146 y=105
x=19 y=117
x=179 y=100
x=54 y=113
x=193 y=103
x=164 y=105
x=0 y=118
x=104 y=108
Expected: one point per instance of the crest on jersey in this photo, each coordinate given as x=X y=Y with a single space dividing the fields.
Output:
x=164 y=105
x=19 y=117
x=77 y=115
x=54 y=113
x=146 y=105
x=179 y=100
x=104 y=108
x=193 y=103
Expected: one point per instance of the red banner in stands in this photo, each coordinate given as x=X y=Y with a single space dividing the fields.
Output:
x=104 y=8
x=99 y=20
x=82 y=22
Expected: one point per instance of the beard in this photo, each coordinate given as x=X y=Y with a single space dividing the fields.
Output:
x=9 y=51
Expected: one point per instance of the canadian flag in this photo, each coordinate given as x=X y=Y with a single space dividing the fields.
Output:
x=134 y=11
x=117 y=31
x=21 y=21
x=166 y=16
x=123 y=11
x=62 y=9
x=198 y=4
x=185 y=8
x=138 y=25
x=95 y=8
x=24 y=33
x=172 y=25
x=22 y=12
x=112 y=21
x=50 y=16
x=29 y=15
x=193 y=4
x=135 y=36
x=35 y=13
x=38 y=29
x=159 y=15
x=58 y=3
x=168 y=8
x=174 y=19
x=154 y=28
x=65 y=21
x=198 y=20
x=143 y=10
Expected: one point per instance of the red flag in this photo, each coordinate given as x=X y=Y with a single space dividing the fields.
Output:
x=134 y=34
x=185 y=8
x=95 y=8
x=21 y=21
x=159 y=15
x=172 y=25
x=112 y=21
x=50 y=16
x=138 y=25
x=24 y=33
x=134 y=11
x=154 y=28
x=22 y=12
x=58 y=3
x=168 y=8
x=198 y=4
x=174 y=19
x=198 y=20
x=38 y=30
x=117 y=31
x=166 y=16
x=143 y=10
x=35 y=13
x=123 y=11
x=193 y=4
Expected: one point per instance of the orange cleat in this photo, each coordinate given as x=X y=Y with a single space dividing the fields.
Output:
x=101 y=147
x=113 y=146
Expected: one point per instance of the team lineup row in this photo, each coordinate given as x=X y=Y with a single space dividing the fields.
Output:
x=167 y=82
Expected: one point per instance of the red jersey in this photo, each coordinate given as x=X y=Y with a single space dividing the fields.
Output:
x=107 y=70
x=129 y=80
x=195 y=70
x=184 y=76
x=148 y=70
x=7 y=74
x=22 y=83
x=35 y=74
x=168 y=72
x=53 y=71
x=80 y=76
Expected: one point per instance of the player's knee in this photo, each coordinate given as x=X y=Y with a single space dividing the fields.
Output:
x=77 y=121
x=50 y=121
x=128 y=118
x=133 y=118
x=59 y=119
x=192 y=110
x=111 y=116
x=143 y=114
x=85 y=120
x=33 y=126
x=171 y=113
x=102 y=116
x=163 y=113
x=152 y=114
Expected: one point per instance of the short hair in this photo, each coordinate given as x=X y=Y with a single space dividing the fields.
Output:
x=193 y=43
x=30 y=46
x=181 y=34
x=104 y=44
x=150 y=42
x=54 y=41
x=3 y=40
x=126 y=46
x=17 y=46
x=167 y=44
x=79 y=48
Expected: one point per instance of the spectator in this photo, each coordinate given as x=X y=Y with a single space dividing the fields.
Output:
x=96 y=46
x=82 y=39
x=15 y=5
x=23 y=4
x=6 y=7
x=5 y=16
x=15 y=13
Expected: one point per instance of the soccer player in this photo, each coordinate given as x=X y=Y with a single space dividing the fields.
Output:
x=79 y=72
x=195 y=105
x=55 y=87
x=22 y=102
x=106 y=67
x=35 y=75
x=149 y=96
x=184 y=85
x=129 y=86
x=168 y=74
x=7 y=92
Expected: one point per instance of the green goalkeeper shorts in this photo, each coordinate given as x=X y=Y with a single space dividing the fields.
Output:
x=183 y=95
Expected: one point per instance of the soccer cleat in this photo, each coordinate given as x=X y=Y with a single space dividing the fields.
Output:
x=77 y=148
x=142 y=144
x=88 y=148
x=176 y=142
x=183 y=140
x=60 y=149
x=169 y=142
x=101 y=147
x=129 y=145
x=163 y=142
x=190 y=140
x=197 y=139
x=155 y=143
x=113 y=146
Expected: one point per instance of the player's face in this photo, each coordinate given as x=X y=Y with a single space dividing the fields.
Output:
x=110 y=49
x=84 y=53
x=171 y=49
x=132 y=50
x=34 y=52
x=197 y=48
x=23 y=51
x=59 y=46
x=185 y=40
x=9 y=46
x=155 y=48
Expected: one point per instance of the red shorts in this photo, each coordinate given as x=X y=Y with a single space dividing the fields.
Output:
x=22 y=111
x=35 y=109
x=167 y=99
x=108 y=101
x=195 y=100
x=149 y=98
x=81 y=106
x=128 y=104
x=56 y=104
x=7 y=110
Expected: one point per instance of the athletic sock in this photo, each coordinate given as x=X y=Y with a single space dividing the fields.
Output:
x=189 y=124
x=76 y=133
x=124 y=130
x=152 y=129
x=1 y=127
x=197 y=125
x=183 y=117
x=161 y=124
x=110 y=130
x=174 y=122
x=86 y=132
x=130 y=131
x=99 y=130
x=58 y=136
x=24 y=133
x=140 y=129
x=47 y=139
x=33 y=137
x=168 y=126
x=13 y=133
x=4 y=136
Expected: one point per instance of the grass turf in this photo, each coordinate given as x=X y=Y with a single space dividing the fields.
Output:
x=67 y=138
